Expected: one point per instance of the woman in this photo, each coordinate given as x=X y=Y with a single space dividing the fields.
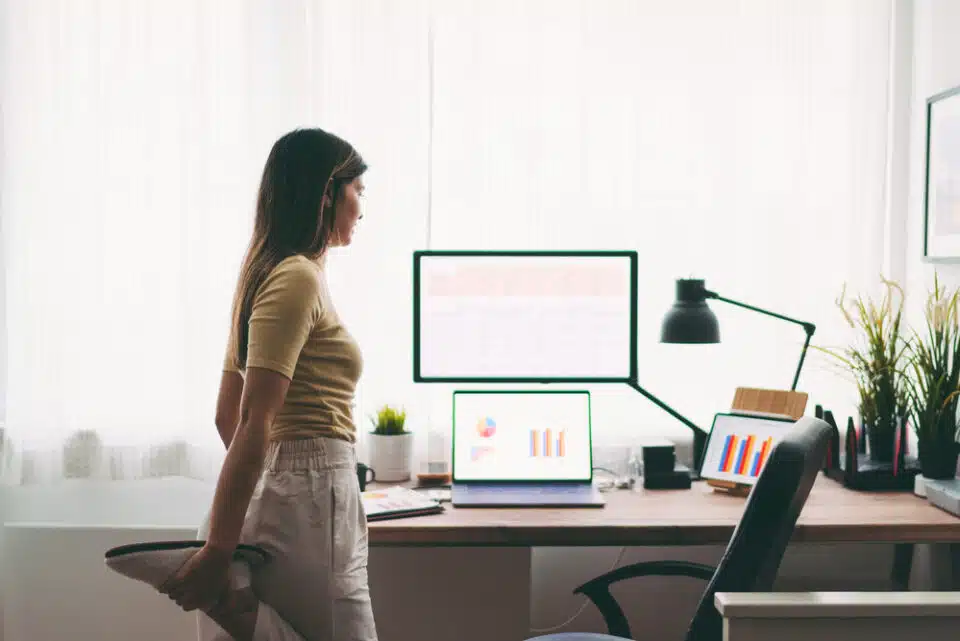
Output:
x=288 y=485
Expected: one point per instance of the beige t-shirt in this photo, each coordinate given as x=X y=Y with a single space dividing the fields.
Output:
x=295 y=330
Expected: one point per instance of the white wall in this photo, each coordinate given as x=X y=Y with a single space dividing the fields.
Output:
x=936 y=68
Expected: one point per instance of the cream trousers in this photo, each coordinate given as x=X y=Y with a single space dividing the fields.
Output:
x=306 y=513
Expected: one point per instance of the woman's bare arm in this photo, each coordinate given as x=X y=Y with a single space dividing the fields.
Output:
x=286 y=309
x=263 y=394
x=228 y=406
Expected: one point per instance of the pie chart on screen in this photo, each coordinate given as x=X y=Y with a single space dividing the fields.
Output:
x=486 y=427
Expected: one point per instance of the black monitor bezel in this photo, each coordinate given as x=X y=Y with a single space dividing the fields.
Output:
x=418 y=377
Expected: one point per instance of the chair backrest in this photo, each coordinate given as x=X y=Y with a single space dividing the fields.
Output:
x=753 y=555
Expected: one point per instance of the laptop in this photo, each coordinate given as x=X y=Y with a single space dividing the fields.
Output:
x=522 y=449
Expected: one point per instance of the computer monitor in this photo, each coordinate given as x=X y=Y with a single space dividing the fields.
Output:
x=739 y=445
x=516 y=436
x=525 y=316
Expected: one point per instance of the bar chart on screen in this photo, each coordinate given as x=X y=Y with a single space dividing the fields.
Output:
x=548 y=443
x=744 y=455
x=521 y=435
x=739 y=446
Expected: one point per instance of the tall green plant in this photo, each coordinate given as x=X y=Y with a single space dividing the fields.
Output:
x=878 y=361
x=934 y=389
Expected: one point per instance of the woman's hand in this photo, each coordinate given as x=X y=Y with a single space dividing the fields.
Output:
x=202 y=581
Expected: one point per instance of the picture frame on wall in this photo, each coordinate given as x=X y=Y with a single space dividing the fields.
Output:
x=941 y=201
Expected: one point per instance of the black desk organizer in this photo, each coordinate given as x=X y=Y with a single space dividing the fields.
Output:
x=856 y=470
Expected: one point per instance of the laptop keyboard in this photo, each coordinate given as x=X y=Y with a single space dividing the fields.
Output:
x=523 y=495
x=527 y=490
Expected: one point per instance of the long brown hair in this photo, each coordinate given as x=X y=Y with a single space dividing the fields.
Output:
x=296 y=210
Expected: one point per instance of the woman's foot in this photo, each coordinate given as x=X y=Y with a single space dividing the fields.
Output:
x=154 y=563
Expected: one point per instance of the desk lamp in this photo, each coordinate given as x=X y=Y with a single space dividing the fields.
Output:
x=691 y=321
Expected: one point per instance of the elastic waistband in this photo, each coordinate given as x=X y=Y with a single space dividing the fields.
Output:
x=309 y=454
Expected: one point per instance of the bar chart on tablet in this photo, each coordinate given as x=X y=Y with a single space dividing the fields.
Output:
x=744 y=455
x=740 y=446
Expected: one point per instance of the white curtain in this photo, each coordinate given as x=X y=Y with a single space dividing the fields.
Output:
x=134 y=134
x=740 y=141
x=743 y=142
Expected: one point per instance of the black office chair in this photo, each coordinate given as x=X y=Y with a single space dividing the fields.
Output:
x=752 y=557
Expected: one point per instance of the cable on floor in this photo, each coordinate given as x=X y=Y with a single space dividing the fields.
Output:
x=583 y=606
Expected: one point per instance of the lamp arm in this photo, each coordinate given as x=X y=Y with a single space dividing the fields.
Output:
x=699 y=434
x=808 y=328
x=803 y=355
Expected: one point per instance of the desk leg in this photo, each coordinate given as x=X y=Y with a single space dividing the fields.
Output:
x=902 y=566
x=439 y=594
x=945 y=566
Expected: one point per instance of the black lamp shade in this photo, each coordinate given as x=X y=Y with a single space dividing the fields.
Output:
x=690 y=320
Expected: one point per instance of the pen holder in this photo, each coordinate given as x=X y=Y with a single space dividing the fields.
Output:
x=857 y=470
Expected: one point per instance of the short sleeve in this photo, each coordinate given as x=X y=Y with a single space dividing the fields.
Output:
x=285 y=311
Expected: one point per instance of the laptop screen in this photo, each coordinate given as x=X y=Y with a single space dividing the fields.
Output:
x=521 y=436
x=739 y=446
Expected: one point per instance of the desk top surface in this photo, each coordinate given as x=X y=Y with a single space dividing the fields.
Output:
x=698 y=516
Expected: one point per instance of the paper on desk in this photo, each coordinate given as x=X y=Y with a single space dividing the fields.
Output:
x=397 y=501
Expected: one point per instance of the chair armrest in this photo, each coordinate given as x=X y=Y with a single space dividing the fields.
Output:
x=836 y=605
x=598 y=589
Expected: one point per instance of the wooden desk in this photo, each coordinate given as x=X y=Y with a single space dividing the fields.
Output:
x=493 y=548
x=697 y=516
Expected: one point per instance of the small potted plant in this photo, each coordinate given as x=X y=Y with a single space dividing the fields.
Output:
x=878 y=361
x=391 y=445
x=934 y=386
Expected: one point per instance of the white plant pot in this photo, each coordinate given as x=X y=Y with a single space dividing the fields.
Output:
x=391 y=456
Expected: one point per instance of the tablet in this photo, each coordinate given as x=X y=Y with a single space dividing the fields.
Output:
x=739 y=445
